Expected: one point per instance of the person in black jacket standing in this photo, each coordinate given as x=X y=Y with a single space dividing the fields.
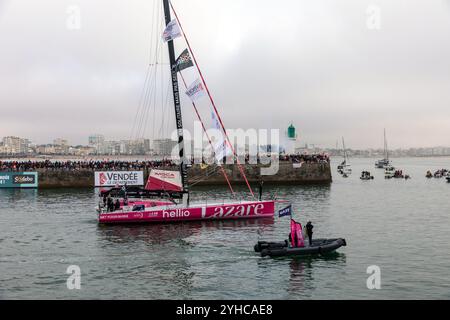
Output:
x=309 y=231
x=110 y=204
x=261 y=183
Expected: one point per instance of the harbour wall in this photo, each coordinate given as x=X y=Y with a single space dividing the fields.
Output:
x=308 y=173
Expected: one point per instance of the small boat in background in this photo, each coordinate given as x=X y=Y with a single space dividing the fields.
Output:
x=365 y=175
x=441 y=173
x=344 y=168
x=399 y=174
x=389 y=172
x=383 y=163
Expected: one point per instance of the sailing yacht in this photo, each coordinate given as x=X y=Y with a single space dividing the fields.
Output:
x=384 y=163
x=171 y=186
x=344 y=168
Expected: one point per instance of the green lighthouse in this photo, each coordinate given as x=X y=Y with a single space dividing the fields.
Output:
x=291 y=132
x=290 y=140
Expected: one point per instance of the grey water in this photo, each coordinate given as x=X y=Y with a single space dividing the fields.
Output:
x=403 y=227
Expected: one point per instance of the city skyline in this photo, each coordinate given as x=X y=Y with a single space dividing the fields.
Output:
x=319 y=65
x=299 y=143
x=100 y=145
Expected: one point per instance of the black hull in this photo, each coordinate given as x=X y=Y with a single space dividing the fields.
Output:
x=319 y=246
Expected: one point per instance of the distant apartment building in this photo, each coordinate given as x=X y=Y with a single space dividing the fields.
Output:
x=163 y=147
x=45 y=149
x=60 y=142
x=102 y=146
x=61 y=146
x=139 y=146
x=97 y=142
x=14 y=146
x=81 y=151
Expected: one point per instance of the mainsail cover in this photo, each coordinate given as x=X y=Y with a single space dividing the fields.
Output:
x=162 y=180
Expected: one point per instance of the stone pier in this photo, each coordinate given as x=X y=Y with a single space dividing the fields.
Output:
x=308 y=173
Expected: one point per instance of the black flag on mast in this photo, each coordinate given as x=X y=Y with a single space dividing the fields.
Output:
x=184 y=61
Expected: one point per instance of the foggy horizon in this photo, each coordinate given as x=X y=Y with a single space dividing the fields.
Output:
x=316 y=65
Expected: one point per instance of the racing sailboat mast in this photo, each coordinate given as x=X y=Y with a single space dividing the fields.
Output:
x=386 y=151
x=345 y=152
x=176 y=100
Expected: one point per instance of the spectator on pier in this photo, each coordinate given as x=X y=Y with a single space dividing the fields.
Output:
x=120 y=165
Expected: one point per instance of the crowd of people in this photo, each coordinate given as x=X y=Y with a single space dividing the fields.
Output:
x=121 y=165
x=94 y=165
x=306 y=158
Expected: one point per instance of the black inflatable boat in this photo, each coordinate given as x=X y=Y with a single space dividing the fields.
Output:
x=319 y=246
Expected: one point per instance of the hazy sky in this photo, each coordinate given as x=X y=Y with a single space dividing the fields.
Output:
x=324 y=65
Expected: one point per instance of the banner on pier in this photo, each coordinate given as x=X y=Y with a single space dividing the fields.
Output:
x=18 y=179
x=119 y=178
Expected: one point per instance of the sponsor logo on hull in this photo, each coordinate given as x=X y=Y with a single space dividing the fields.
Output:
x=238 y=211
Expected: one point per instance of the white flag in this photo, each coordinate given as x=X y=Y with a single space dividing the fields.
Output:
x=221 y=149
x=172 y=31
x=196 y=90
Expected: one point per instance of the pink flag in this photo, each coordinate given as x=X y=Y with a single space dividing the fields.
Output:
x=296 y=234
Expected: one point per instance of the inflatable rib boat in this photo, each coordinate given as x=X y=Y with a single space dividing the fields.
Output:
x=318 y=246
